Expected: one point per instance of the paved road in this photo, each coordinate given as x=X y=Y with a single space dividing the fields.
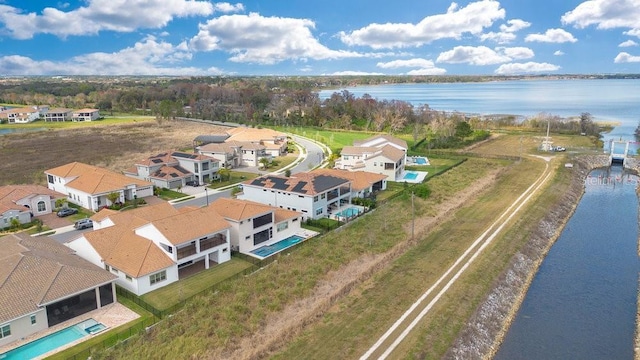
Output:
x=313 y=156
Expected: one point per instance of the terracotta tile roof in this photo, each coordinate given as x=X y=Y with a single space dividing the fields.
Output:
x=85 y=110
x=59 y=110
x=254 y=134
x=120 y=247
x=161 y=158
x=94 y=180
x=360 y=180
x=22 y=110
x=170 y=172
x=190 y=225
x=358 y=150
x=391 y=153
x=380 y=140
x=301 y=183
x=37 y=271
x=239 y=210
x=10 y=194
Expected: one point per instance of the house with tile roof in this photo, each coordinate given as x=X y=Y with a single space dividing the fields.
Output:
x=22 y=115
x=381 y=154
x=363 y=183
x=274 y=142
x=175 y=169
x=254 y=225
x=43 y=283
x=85 y=115
x=153 y=246
x=23 y=202
x=233 y=154
x=58 y=114
x=88 y=186
x=312 y=194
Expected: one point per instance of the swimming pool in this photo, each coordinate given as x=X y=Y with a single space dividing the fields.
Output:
x=54 y=340
x=409 y=175
x=420 y=161
x=268 y=250
x=349 y=212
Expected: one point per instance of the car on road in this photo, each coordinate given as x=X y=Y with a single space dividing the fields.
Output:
x=83 y=224
x=560 y=148
x=66 y=212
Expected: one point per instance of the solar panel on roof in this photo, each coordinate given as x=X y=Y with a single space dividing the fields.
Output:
x=156 y=161
x=173 y=175
x=279 y=183
x=299 y=187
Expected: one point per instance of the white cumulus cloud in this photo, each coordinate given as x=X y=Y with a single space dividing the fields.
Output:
x=552 y=36
x=604 y=14
x=147 y=57
x=628 y=43
x=264 y=40
x=507 y=31
x=558 y=53
x=421 y=66
x=624 y=57
x=523 y=68
x=100 y=15
x=473 y=55
x=354 y=73
x=472 y=19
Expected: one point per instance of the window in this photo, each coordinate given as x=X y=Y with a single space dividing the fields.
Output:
x=33 y=319
x=283 y=226
x=262 y=220
x=315 y=199
x=157 y=277
x=50 y=179
x=319 y=211
x=106 y=267
x=195 y=166
x=41 y=206
x=262 y=236
x=225 y=250
x=323 y=195
x=5 y=331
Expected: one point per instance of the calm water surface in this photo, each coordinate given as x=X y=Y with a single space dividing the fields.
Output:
x=582 y=302
x=615 y=100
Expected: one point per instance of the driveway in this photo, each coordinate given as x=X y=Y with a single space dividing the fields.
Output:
x=53 y=221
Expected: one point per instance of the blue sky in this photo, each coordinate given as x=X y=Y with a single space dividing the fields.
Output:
x=319 y=37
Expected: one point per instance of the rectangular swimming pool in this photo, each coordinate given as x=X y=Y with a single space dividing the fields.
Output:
x=410 y=175
x=420 y=161
x=349 y=212
x=54 y=340
x=268 y=250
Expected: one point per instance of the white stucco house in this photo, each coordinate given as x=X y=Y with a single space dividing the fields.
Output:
x=22 y=115
x=363 y=183
x=58 y=114
x=85 y=115
x=254 y=225
x=43 y=283
x=153 y=246
x=88 y=186
x=381 y=154
x=233 y=154
x=23 y=202
x=315 y=195
x=174 y=169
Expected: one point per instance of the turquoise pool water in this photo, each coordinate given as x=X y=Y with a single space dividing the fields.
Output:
x=54 y=340
x=348 y=212
x=410 y=175
x=420 y=161
x=267 y=250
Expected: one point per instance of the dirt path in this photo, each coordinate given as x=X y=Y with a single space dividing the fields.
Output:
x=282 y=327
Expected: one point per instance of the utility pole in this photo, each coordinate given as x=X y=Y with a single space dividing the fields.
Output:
x=413 y=218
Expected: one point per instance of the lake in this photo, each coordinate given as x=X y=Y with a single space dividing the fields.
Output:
x=606 y=100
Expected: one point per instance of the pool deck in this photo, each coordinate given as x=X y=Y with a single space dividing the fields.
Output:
x=303 y=233
x=112 y=315
x=420 y=178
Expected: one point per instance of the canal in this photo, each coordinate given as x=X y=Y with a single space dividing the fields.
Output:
x=582 y=302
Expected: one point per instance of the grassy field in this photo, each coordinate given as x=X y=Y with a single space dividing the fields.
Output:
x=107 y=121
x=170 y=295
x=335 y=139
x=241 y=308
x=117 y=146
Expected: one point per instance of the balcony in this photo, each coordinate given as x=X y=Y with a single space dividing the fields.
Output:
x=216 y=240
x=188 y=250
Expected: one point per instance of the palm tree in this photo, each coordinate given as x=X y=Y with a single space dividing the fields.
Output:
x=264 y=162
x=224 y=172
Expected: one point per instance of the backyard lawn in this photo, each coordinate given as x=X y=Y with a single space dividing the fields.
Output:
x=170 y=295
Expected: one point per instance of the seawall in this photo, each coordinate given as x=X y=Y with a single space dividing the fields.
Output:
x=487 y=327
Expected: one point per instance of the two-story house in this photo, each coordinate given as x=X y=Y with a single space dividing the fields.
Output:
x=89 y=186
x=22 y=115
x=174 y=169
x=312 y=194
x=233 y=154
x=58 y=114
x=86 y=115
x=381 y=154
x=254 y=225
x=150 y=247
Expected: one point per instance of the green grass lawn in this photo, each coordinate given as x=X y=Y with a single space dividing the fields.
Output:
x=170 y=295
x=234 y=178
x=168 y=194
